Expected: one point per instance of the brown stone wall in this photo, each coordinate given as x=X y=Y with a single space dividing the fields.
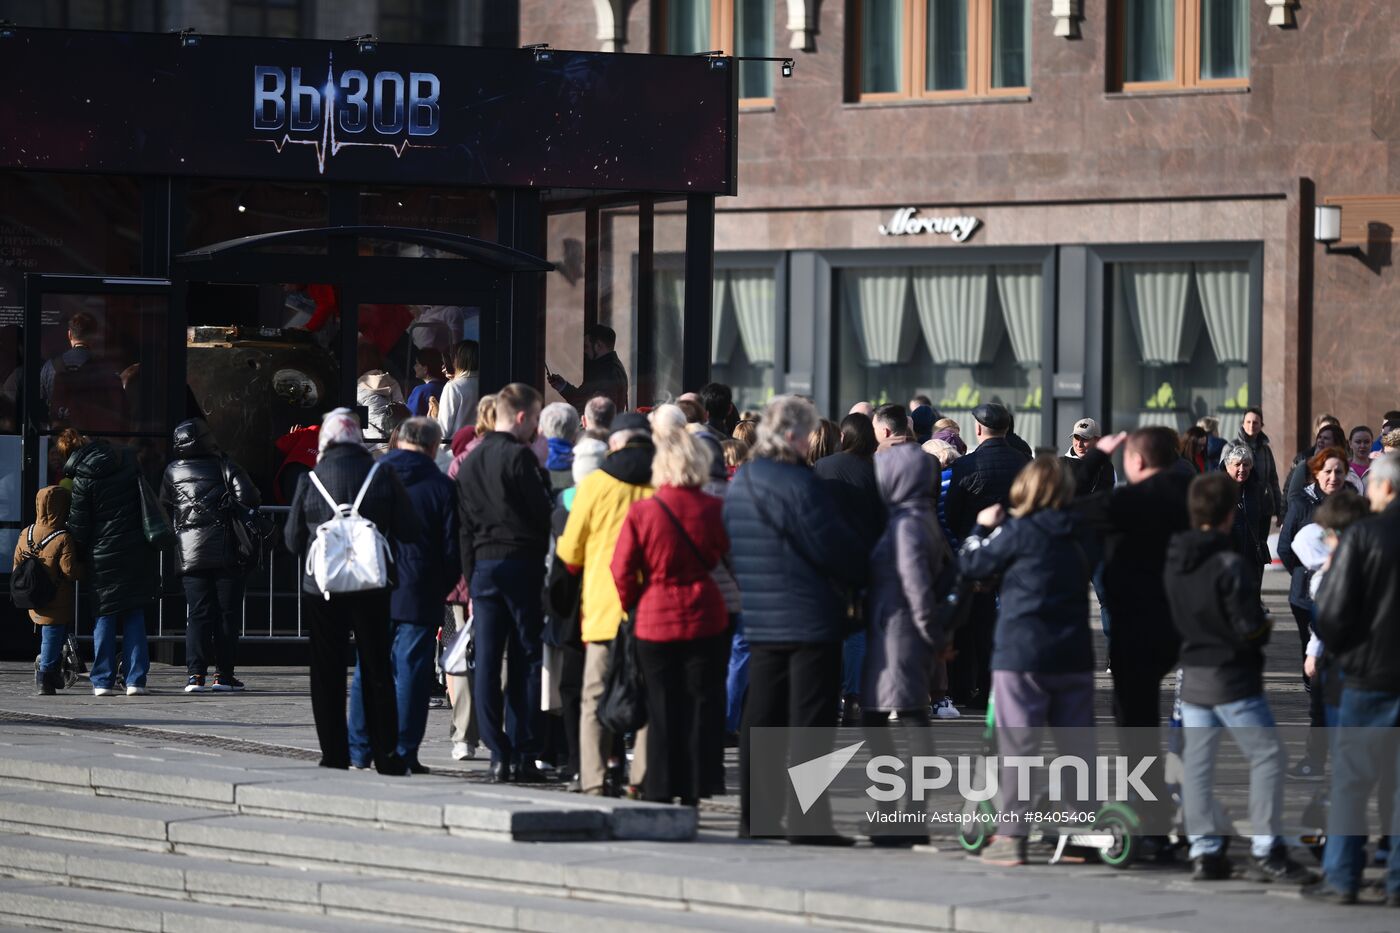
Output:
x=1323 y=105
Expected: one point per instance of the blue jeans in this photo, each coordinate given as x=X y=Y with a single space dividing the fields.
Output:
x=411 y=654
x=508 y=622
x=1358 y=761
x=737 y=681
x=852 y=664
x=104 y=647
x=51 y=638
x=1251 y=725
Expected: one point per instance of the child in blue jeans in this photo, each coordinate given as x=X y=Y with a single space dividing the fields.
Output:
x=1215 y=608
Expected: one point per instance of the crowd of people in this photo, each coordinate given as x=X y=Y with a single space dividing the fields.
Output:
x=765 y=568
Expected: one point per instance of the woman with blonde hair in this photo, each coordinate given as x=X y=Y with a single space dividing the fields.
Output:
x=1043 y=656
x=746 y=431
x=668 y=546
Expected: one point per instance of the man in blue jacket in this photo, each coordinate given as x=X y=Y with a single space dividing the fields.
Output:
x=426 y=574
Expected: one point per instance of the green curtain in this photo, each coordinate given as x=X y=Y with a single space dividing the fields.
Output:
x=882 y=28
x=753 y=35
x=1224 y=39
x=688 y=27
x=1011 y=43
x=946 y=45
x=1149 y=40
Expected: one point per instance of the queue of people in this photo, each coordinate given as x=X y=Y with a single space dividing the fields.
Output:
x=767 y=568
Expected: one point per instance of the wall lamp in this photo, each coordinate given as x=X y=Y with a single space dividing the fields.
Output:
x=543 y=53
x=717 y=60
x=1327 y=230
x=189 y=39
x=364 y=43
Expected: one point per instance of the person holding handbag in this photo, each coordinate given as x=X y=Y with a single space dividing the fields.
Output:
x=201 y=490
x=668 y=546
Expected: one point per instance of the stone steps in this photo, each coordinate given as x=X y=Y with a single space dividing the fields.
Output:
x=256 y=786
x=65 y=881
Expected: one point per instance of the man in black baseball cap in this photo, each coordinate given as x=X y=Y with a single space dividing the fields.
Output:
x=980 y=479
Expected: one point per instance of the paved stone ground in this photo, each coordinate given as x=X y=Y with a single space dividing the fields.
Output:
x=273 y=717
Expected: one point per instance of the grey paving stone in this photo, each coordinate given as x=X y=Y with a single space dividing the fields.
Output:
x=136 y=870
x=33 y=854
x=44 y=766
x=80 y=908
x=41 y=812
x=523 y=821
x=243 y=883
x=458 y=907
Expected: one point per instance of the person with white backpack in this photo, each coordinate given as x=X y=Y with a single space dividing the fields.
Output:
x=347 y=519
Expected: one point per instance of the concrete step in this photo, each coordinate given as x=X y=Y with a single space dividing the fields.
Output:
x=95 y=819
x=49 y=863
x=254 y=785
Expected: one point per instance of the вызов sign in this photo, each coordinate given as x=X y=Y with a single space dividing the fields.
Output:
x=906 y=223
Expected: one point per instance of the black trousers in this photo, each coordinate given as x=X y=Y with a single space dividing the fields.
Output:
x=571 y=693
x=908 y=735
x=680 y=675
x=796 y=685
x=716 y=716
x=1137 y=708
x=215 y=600
x=970 y=672
x=331 y=622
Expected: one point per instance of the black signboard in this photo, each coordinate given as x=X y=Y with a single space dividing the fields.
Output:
x=286 y=109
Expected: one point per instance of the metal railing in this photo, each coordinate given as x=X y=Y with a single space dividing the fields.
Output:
x=271 y=609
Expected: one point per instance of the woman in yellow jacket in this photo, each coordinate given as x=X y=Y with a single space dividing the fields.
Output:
x=48 y=538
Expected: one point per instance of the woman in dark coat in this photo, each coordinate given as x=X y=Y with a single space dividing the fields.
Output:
x=1329 y=470
x=199 y=486
x=1251 y=528
x=343 y=466
x=105 y=522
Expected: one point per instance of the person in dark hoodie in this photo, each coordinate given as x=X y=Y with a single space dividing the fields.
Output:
x=1043 y=655
x=105 y=524
x=1215 y=608
x=503 y=505
x=903 y=634
x=199 y=487
x=427 y=571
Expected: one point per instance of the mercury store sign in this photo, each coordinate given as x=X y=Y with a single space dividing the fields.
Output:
x=906 y=222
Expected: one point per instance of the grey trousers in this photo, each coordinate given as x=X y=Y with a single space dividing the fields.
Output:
x=1025 y=703
x=1251 y=725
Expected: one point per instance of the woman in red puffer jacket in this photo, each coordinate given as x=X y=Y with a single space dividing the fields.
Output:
x=668 y=546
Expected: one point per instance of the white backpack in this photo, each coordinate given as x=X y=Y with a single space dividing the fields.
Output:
x=349 y=554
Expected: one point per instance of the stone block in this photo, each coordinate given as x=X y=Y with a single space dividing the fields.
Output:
x=33 y=855
x=136 y=870
x=408 y=900
x=40 y=811
x=64 y=907
x=207 y=878
x=43 y=766
x=523 y=821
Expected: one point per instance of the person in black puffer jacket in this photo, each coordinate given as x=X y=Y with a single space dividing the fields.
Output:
x=342 y=467
x=105 y=522
x=791 y=553
x=199 y=485
x=981 y=479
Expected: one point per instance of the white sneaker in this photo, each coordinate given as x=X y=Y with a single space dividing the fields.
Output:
x=135 y=691
x=462 y=751
x=944 y=709
x=103 y=692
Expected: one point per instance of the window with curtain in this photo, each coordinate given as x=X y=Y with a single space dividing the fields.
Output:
x=941 y=48
x=1183 y=43
x=960 y=334
x=744 y=329
x=736 y=27
x=1181 y=344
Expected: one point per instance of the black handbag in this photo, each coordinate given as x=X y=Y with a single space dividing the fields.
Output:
x=154 y=525
x=250 y=528
x=623 y=707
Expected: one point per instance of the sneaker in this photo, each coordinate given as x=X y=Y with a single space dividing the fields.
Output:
x=135 y=691
x=104 y=691
x=1214 y=867
x=195 y=684
x=463 y=751
x=1005 y=850
x=226 y=684
x=1305 y=770
x=1277 y=867
x=944 y=709
x=1324 y=893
